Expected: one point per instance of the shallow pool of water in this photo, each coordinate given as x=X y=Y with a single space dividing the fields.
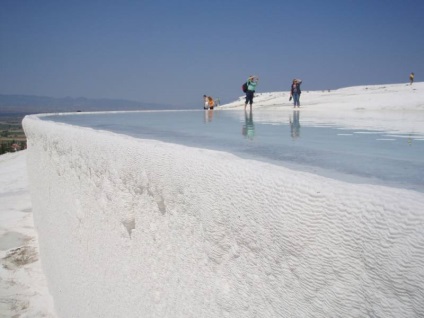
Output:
x=376 y=157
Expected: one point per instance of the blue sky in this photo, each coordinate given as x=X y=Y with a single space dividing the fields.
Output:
x=173 y=52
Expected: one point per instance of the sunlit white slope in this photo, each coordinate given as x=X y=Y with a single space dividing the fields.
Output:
x=390 y=107
x=23 y=286
x=141 y=228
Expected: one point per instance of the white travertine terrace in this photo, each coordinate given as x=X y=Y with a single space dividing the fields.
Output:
x=140 y=228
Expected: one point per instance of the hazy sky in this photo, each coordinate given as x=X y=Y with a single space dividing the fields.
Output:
x=176 y=51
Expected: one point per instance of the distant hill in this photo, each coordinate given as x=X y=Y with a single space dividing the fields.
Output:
x=29 y=104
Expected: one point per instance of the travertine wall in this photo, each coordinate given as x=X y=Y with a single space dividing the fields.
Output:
x=139 y=228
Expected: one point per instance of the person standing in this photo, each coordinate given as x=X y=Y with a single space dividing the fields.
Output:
x=252 y=81
x=209 y=102
x=295 y=92
x=206 y=102
x=411 y=78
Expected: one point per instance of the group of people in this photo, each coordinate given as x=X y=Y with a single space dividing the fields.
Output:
x=250 y=88
x=251 y=84
x=253 y=80
x=209 y=102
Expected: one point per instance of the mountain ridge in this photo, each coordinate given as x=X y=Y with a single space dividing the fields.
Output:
x=29 y=104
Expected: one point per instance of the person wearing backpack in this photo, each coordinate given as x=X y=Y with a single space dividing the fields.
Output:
x=251 y=83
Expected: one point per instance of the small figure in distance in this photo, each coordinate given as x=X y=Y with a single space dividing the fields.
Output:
x=209 y=102
x=295 y=92
x=206 y=102
x=252 y=81
x=411 y=78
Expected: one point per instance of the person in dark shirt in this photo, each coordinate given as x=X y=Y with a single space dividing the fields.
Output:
x=295 y=92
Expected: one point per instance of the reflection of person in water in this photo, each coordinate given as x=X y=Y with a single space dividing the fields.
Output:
x=295 y=124
x=208 y=115
x=248 y=129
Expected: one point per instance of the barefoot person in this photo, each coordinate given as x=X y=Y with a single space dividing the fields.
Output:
x=295 y=92
x=252 y=81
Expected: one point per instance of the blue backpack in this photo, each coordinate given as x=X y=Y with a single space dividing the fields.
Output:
x=244 y=87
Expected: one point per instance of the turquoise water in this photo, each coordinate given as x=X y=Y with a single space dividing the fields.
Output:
x=375 y=157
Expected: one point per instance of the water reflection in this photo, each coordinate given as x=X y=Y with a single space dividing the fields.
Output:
x=387 y=156
x=295 y=124
x=208 y=115
x=248 y=129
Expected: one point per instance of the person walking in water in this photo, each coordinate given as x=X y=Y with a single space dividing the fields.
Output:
x=252 y=81
x=411 y=78
x=295 y=92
